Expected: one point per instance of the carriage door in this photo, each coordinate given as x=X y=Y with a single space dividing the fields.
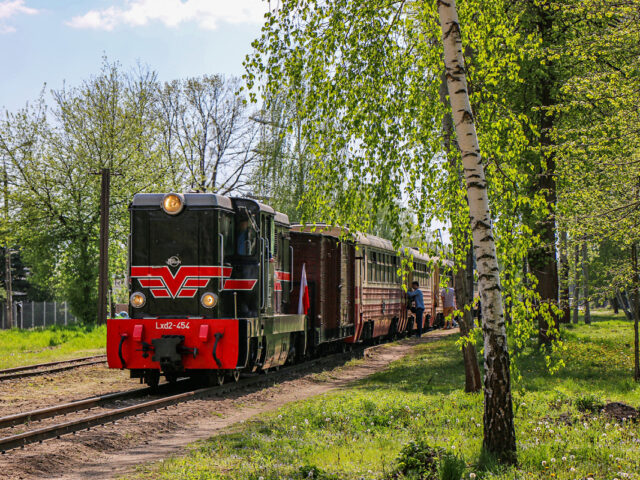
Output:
x=346 y=287
x=267 y=265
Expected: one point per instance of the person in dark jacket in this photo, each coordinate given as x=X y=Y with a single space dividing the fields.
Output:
x=416 y=295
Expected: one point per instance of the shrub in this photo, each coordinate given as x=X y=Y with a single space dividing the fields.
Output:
x=417 y=460
x=589 y=403
x=450 y=467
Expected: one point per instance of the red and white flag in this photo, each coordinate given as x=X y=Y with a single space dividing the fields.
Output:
x=303 y=302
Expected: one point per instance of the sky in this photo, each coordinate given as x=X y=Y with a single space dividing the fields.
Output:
x=56 y=41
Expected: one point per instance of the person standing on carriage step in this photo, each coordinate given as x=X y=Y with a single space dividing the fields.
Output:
x=448 y=296
x=416 y=295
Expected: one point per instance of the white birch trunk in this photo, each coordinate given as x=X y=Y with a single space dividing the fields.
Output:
x=499 y=431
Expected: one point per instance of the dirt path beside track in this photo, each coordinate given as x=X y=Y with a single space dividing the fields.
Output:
x=113 y=450
x=24 y=394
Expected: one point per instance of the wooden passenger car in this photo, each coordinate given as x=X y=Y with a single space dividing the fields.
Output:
x=329 y=264
x=356 y=293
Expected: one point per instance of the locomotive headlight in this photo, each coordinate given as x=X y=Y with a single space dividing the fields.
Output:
x=172 y=203
x=137 y=300
x=209 y=300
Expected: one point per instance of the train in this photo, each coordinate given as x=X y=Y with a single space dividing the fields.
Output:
x=221 y=285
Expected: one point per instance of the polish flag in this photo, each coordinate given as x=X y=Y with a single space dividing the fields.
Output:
x=303 y=303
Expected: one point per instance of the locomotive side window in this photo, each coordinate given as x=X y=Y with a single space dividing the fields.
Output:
x=246 y=234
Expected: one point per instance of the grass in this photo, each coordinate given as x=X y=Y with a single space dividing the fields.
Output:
x=418 y=406
x=26 y=347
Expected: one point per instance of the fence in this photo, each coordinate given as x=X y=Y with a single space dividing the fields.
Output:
x=38 y=314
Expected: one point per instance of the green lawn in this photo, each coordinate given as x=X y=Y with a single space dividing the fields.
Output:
x=358 y=433
x=26 y=347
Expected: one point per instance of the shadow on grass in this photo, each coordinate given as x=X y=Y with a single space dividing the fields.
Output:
x=598 y=359
x=437 y=368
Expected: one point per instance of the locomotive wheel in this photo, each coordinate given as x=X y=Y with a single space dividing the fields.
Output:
x=235 y=375
x=220 y=378
x=152 y=378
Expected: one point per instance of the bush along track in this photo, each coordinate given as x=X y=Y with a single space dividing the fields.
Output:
x=414 y=421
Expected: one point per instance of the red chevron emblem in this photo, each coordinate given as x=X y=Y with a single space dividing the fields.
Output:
x=184 y=284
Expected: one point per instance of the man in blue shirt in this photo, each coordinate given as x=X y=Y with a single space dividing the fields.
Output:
x=416 y=295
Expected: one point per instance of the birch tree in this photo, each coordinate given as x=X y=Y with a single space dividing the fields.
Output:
x=499 y=430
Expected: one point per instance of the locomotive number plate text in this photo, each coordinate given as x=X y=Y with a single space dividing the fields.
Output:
x=173 y=325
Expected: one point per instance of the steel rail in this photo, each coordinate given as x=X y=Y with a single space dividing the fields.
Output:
x=55 y=431
x=50 y=364
x=35 y=372
x=70 y=407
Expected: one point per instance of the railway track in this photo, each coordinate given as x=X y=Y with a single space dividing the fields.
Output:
x=55 y=431
x=52 y=367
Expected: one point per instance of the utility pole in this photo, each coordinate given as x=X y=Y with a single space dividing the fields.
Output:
x=103 y=270
x=7 y=254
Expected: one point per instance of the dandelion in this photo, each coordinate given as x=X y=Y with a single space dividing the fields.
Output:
x=294 y=427
x=279 y=416
x=572 y=469
x=306 y=422
x=611 y=455
x=544 y=463
x=327 y=419
x=564 y=459
x=453 y=447
x=553 y=460
x=260 y=478
x=472 y=475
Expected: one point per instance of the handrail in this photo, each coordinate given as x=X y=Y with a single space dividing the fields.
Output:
x=262 y=263
x=265 y=273
x=291 y=271
x=221 y=284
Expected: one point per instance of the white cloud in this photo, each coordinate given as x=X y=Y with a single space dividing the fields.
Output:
x=205 y=13
x=11 y=8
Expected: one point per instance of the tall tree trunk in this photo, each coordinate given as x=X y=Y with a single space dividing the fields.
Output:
x=636 y=312
x=585 y=284
x=464 y=301
x=463 y=278
x=564 y=279
x=544 y=84
x=576 y=282
x=499 y=431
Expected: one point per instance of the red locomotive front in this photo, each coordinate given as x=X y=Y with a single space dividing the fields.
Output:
x=208 y=278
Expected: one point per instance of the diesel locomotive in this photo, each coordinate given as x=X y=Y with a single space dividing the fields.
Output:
x=215 y=289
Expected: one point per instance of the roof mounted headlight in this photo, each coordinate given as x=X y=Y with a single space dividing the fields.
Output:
x=173 y=203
